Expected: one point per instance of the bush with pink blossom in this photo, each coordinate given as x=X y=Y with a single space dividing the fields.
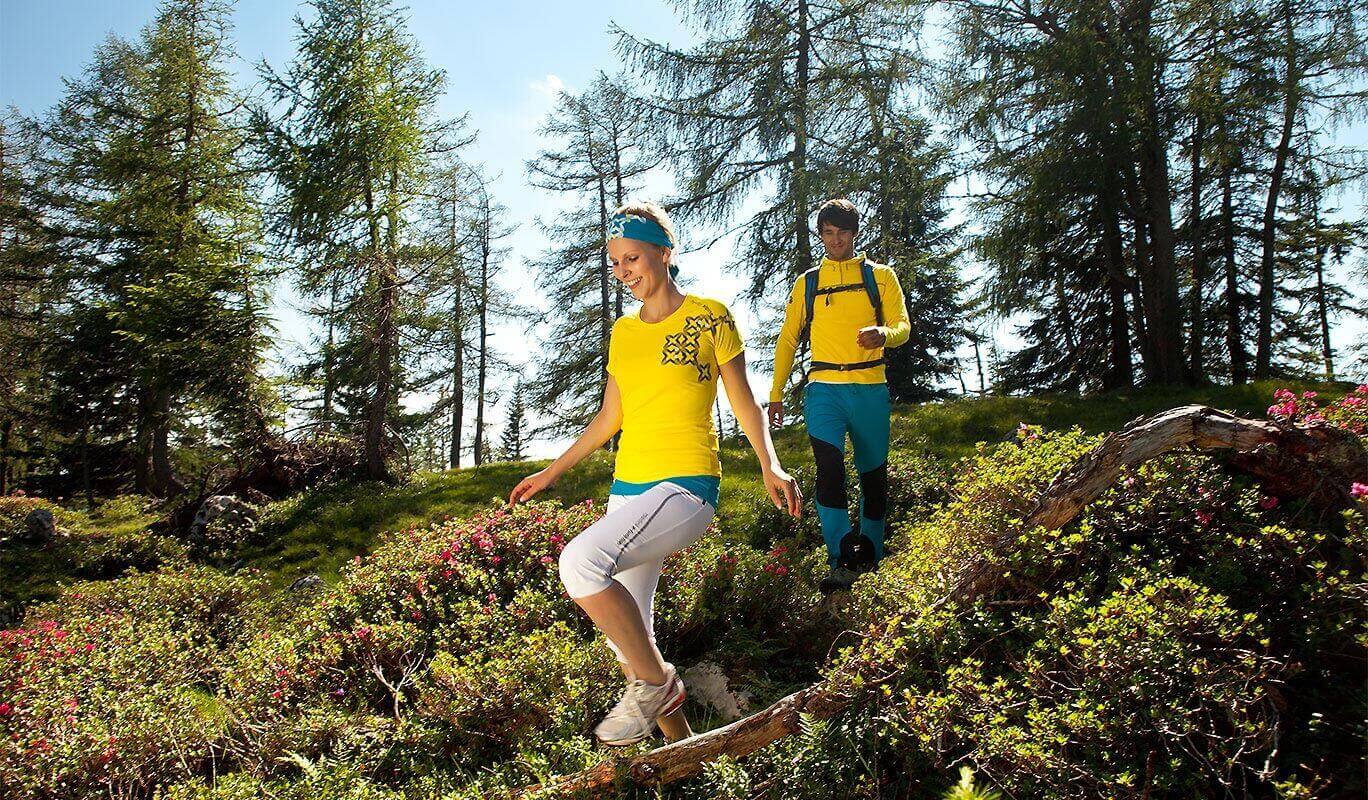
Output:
x=111 y=689
x=1350 y=412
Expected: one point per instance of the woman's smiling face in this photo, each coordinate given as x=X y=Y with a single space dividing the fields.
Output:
x=641 y=266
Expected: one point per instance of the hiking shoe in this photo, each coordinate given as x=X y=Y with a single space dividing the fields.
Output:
x=634 y=716
x=857 y=553
x=839 y=579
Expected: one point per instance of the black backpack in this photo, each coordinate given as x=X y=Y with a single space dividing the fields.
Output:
x=871 y=289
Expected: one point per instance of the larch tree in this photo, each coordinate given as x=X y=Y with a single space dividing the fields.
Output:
x=602 y=147
x=148 y=187
x=350 y=147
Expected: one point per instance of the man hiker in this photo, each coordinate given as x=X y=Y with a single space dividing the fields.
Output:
x=849 y=309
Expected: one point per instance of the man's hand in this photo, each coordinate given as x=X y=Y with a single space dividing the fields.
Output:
x=871 y=338
x=776 y=414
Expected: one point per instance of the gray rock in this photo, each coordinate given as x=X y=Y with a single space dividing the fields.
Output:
x=223 y=520
x=307 y=584
x=39 y=526
x=707 y=683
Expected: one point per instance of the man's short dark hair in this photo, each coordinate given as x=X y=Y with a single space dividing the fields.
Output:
x=839 y=212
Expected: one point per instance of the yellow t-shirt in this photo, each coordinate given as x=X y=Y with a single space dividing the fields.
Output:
x=839 y=318
x=667 y=374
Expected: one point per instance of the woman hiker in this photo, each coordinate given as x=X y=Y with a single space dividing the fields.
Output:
x=663 y=365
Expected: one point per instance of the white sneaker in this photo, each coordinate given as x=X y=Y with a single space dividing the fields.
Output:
x=634 y=716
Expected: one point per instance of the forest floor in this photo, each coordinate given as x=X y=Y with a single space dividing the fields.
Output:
x=315 y=533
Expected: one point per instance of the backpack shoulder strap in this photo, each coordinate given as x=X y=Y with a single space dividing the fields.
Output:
x=809 y=298
x=871 y=288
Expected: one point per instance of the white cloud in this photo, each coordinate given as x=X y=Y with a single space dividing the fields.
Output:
x=551 y=86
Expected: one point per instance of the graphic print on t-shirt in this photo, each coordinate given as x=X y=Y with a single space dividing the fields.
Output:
x=682 y=348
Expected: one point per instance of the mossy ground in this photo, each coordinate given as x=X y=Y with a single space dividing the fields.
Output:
x=324 y=529
x=320 y=530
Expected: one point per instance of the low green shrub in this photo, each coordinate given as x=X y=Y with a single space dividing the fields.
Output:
x=1186 y=635
x=111 y=688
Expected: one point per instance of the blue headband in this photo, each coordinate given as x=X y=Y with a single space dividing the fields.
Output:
x=631 y=226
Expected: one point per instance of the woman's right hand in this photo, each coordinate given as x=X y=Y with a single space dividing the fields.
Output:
x=531 y=485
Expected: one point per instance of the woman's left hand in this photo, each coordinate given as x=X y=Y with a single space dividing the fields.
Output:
x=784 y=491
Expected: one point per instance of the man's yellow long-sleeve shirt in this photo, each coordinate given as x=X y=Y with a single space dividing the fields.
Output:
x=838 y=319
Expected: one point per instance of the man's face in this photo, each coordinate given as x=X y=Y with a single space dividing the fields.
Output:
x=839 y=242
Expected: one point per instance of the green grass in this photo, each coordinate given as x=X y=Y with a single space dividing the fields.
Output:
x=322 y=530
x=31 y=574
x=319 y=531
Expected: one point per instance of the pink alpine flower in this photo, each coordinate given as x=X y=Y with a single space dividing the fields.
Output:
x=1359 y=490
x=1205 y=517
x=1267 y=502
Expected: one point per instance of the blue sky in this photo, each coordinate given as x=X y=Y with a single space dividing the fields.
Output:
x=505 y=62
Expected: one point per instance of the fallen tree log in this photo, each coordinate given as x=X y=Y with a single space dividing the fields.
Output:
x=1317 y=463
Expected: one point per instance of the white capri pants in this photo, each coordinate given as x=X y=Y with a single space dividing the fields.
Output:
x=630 y=544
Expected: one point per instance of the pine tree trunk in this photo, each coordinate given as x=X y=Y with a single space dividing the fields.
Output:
x=800 y=134
x=1239 y=359
x=457 y=375
x=377 y=280
x=605 y=268
x=1196 y=369
x=6 y=432
x=384 y=355
x=1327 y=354
x=1121 y=369
x=1163 y=313
x=1162 y=309
x=85 y=464
x=1322 y=306
x=1138 y=302
x=1071 y=380
x=163 y=480
x=876 y=102
x=480 y=455
x=1120 y=372
x=978 y=362
x=619 y=200
x=1263 y=354
x=142 y=448
x=329 y=380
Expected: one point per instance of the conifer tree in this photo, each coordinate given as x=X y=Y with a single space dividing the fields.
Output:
x=760 y=109
x=146 y=183
x=513 y=442
x=602 y=146
x=350 y=151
